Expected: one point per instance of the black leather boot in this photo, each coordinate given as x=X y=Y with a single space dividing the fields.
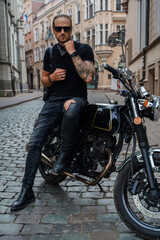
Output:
x=60 y=164
x=26 y=196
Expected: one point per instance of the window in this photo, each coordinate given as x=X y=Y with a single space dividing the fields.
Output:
x=106 y=4
x=157 y=17
x=106 y=33
x=36 y=55
x=117 y=28
x=88 y=37
x=69 y=12
x=78 y=14
x=101 y=4
x=47 y=27
x=29 y=26
x=141 y=33
x=78 y=36
x=26 y=46
x=93 y=37
x=91 y=13
x=30 y=60
x=87 y=3
x=118 y=5
x=101 y=33
x=30 y=44
x=42 y=30
x=42 y=52
x=90 y=5
x=36 y=35
x=121 y=32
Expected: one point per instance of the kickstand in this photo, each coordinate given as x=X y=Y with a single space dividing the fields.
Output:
x=101 y=189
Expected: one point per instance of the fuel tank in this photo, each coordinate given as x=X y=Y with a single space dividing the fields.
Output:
x=101 y=116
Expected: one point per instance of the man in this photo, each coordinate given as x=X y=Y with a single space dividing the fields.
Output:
x=72 y=68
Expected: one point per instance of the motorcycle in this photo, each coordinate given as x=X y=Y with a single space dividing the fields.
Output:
x=103 y=130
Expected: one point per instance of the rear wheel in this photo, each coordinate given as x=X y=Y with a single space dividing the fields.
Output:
x=138 y=209
x=51 y=150
x=45 y=171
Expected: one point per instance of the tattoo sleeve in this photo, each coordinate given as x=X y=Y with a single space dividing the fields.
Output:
x=85 y=69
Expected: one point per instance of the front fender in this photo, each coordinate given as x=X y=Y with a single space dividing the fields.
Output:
x=137 y=157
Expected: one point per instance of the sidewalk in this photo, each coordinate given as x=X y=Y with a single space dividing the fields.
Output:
x=6 y=102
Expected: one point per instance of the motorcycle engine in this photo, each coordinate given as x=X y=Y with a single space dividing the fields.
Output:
x=92 y=160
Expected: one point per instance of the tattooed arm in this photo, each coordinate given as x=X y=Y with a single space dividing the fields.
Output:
x=85 y=69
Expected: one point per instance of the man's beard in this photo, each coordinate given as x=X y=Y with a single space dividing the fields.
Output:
x=63 y=41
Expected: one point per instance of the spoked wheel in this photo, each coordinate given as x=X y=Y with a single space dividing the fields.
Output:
x=138 y=209
x=50 y=150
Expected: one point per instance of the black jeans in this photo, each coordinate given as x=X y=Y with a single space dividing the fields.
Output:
x=45 y=122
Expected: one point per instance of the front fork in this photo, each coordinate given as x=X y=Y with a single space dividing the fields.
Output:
x=144 y=146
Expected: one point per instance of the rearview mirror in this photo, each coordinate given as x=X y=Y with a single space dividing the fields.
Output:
x=113 y=39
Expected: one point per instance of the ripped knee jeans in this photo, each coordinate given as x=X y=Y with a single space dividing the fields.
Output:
x=47 y=120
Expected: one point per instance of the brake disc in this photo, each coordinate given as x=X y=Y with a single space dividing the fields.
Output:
x=147 y=204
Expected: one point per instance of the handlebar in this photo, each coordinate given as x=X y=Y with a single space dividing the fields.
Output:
x=111 y=69
x=117 y=74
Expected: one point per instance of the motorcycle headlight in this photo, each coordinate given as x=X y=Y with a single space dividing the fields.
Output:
x=151 y=110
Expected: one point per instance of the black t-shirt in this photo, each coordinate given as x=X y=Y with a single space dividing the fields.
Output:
x=73 y=85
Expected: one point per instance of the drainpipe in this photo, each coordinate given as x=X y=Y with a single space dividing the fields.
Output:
x=146 y=39
x=8 y=45
x=19 y=57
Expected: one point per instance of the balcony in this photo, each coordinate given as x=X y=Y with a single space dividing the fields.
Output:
x=103 y=51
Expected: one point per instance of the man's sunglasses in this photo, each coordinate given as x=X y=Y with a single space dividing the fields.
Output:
x=59 y=29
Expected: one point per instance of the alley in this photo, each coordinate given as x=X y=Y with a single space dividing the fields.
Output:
x=69 y=211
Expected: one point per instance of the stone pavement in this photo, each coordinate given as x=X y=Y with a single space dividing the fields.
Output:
x=68 y=211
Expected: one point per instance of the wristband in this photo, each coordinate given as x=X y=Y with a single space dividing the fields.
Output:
x=73 y=54
x=49 y=78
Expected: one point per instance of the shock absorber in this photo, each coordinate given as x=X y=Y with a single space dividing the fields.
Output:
x=144 y=146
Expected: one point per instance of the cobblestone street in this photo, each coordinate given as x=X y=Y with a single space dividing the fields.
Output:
x=68 y=211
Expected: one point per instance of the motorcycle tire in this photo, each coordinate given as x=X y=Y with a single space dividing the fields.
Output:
x=139 y=211
x=45 y=171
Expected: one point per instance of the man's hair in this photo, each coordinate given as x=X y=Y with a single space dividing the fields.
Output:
x=62 y=16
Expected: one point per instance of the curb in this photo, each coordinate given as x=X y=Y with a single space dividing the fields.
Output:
x=18 y=103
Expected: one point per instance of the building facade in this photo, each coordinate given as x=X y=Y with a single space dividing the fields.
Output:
x=12 y=56
x=30 y=12
x=92 y=22
x=143 y=41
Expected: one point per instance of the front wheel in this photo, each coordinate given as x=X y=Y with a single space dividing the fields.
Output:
x=138 y=209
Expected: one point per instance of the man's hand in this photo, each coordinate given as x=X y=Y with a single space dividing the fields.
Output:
x=69 y=46
x=58 y=75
